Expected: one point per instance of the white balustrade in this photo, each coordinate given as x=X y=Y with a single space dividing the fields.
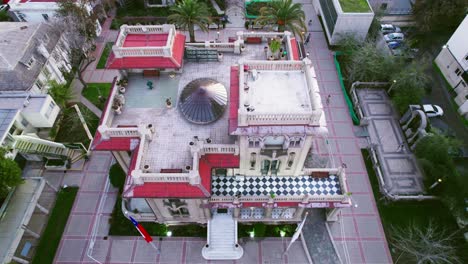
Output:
x=220 y=148
x=275 y=65
x=264 y=199
x=220 y=47
x=165 y=177
x=282 y=119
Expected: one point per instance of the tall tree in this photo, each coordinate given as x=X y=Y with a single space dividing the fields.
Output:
x=61 y=93
x=190 y=13
x=286 y=15
x=422 y=245
x=79 y=25
x=10 y=174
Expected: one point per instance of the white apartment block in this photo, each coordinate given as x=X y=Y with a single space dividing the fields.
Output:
x=453 y=63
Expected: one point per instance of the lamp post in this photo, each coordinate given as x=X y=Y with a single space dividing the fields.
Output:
x=435 y=184
x=391 y=87
x=217 y=36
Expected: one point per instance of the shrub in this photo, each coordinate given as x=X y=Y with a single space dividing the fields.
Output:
x=117 y=176
x=259 y=229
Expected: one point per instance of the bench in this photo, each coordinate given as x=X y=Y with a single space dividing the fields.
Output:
x=26 y=248
x=253 y=40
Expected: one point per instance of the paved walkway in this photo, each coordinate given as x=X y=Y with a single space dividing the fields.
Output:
x=359 y=230
x=399 y=167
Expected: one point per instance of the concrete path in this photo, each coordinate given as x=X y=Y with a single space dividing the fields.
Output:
x=399 y=167
x=91 y=106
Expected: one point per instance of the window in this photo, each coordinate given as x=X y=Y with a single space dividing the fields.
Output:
x=30 y=62
x=50 y=109
x=291 y=157
x=254 y=142
x=176 y=207
x=24 y=122
x=253 y=160
x=39 y=84
x=458 y=72
x=46 y=17
x=295 y=142
x=46 y=72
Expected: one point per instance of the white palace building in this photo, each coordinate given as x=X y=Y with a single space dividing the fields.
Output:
x=218 y=133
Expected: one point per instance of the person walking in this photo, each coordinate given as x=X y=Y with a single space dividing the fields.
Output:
x=328 y=99
x=307 y=39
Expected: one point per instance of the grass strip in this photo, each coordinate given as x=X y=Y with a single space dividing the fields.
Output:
x=50 y=239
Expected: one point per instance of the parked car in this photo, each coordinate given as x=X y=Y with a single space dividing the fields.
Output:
x=4 y=7
x=389 y=28
x=394 y=37
x=394 y=44
x=432 y=110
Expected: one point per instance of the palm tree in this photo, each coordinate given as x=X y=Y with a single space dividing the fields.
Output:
x=61 y=93
x=285 y=14
x=189 y=13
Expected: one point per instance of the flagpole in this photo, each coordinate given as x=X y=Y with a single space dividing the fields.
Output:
x=155 y=247
x=297 y=233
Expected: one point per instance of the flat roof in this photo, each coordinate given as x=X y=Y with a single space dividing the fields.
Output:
x=278 y=92
x=145 y=40
x=18 y=213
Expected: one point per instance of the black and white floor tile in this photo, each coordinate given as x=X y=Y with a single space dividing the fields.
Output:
x=280 y=186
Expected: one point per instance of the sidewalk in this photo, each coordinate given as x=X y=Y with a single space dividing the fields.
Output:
x=359 y=230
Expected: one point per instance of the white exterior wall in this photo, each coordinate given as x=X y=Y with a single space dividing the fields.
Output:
x=40 y=118
x=458 y=44
x=453 y=61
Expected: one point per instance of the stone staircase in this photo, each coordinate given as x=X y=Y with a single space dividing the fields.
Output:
x=222 y=239
x=48 y=149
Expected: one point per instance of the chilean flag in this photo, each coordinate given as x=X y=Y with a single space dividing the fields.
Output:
x=142 y=231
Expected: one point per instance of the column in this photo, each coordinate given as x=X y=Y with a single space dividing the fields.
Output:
x=30 y=232
x=20 y=260
x=332 y=214
x=42 y=209
x=299 y=212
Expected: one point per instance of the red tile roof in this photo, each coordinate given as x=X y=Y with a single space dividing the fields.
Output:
x=151 y=62
x=185 y=190
x=295 y=50
x=145 y=40
x=234 y=99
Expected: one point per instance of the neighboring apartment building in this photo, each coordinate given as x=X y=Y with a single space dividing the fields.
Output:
x=30 y=55
x=235 y=147
x=37 y=11
x=339 y=22
x=453 y=63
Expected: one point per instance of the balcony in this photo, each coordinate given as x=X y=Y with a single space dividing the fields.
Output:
x=316 y=185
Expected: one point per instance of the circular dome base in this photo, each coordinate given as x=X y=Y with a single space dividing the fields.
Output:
x=203 y=101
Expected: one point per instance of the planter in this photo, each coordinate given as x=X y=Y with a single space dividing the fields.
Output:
x=271 y=58
x=146 y=168
x=242 y=48
x=220 y=56
x=122 y=89
x=117 y=110
x=59 y=165
x=168 y=103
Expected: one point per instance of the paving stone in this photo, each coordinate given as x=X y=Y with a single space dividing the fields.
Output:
x=121 y=251
x=100 y=250
x=86 y=202
x=352 y=249
x=176 y=249
x=78 y=225
x=349 y=228
x=357 y=183
x=343 y=130
x=354 y=163
x=375 y=252
x=145 y=253
x=72 y=179
x=364 y=204
x=348 y=146
x=193 y=252
x=250 y=252
x=368 y=227
x=71 y=250
x=94 y=181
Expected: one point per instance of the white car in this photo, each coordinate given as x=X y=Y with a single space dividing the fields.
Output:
x=394 y=37
x=432 y=110
x=389 y=28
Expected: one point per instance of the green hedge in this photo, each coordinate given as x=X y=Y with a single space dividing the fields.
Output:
x=50 y=239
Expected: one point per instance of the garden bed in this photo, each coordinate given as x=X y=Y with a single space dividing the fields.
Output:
x=355 y=6
x=71 y=129
x=419 y=213
x=50 y=238
x=94 y=90
x=252 y=9
x=104 y=55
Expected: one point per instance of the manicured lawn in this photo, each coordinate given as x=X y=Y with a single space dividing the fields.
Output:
x=70 y=128
x=94 y=90
x=354 y=6
x=104 y=55
x=404 y=213
x=50 y=239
